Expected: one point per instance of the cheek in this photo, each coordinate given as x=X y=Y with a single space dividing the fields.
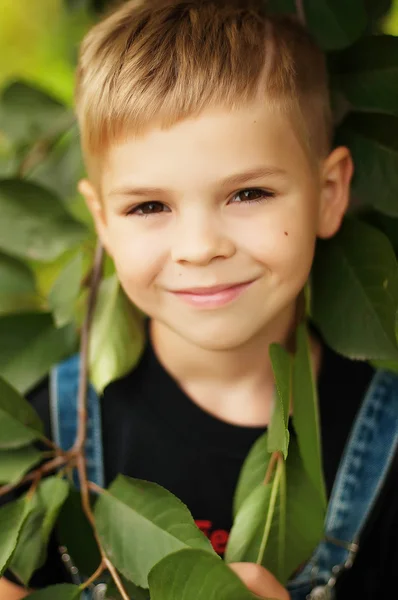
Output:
x=284 y=243
x=138 y=257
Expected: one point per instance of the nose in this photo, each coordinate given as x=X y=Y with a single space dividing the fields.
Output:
x=199 y=237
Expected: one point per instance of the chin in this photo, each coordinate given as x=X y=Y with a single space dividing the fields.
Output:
x=219 y=337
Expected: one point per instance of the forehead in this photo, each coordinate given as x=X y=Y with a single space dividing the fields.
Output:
x=203 y=149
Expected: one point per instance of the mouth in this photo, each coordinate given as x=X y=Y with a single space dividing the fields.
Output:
x=212 y=297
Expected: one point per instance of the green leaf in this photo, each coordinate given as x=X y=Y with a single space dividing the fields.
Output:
x=368 y=73
x=373 y=141
x=140 y=514
x=306 y=412
x=61 y=591
x=355 y=306
x=12 y=518
x=79 y=539
x=335 y=24
x=31 y=550
x=135 y=592
x=14 y=464
x=195 y=575
x=278 y=432
x=388 y=225
x=30 y=345
x=296 y=525
x=64 y=293
x=117 y=335
x=62 y=168
x=28 y=113
x=34 y=223
x=19 y=422
x=17 y=287
x=252 y=472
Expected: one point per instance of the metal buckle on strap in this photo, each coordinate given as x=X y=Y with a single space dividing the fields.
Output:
x=94 y=591
x=326 y=592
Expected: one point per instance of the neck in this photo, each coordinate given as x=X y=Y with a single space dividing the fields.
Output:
x=186 y=361
x=236 y=384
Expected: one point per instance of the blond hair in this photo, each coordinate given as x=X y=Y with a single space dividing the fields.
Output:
x=160 y=61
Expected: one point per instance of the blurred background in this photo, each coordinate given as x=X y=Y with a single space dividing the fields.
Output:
x=39 y=39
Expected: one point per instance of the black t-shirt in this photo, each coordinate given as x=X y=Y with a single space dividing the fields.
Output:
x=153 y=431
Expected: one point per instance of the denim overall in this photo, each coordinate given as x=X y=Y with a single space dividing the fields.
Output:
x=363 y=468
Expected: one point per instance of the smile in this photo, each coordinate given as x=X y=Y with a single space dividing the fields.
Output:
x=212 y=297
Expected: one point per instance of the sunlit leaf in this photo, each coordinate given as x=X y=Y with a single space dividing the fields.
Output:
x=195 y=575
x=133 y=591
x=306 y=412
x=296 y=520
x=62 y=168
x=117 y=335
x=30 y=345
x=253 y=471
x=14 y=464
x=35 y=223
x=65 y=291
x=355 y=306
x=335 y=24
x=278 y=432
x=29 y=113
x=17 y=287
x=373 y=142
x=19 y=422
x=136 y=514
x=12 y=518
x=31 y=550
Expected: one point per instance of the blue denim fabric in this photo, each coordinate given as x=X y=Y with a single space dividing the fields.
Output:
x=363 y=468
x=64 y=384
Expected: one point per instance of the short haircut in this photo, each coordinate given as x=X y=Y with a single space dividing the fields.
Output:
x=157 y=62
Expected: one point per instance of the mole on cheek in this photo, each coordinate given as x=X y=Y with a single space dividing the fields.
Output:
x=286 y=233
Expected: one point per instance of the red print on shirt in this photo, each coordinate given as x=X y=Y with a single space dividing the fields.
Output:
x=218 y=537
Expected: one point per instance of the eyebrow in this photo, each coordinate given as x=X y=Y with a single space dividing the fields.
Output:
x=235 y=179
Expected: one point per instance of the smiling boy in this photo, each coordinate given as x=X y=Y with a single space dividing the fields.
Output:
x=206 y=130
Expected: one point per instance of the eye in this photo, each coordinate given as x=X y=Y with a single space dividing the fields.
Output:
x=145 y=209
x=253 y=195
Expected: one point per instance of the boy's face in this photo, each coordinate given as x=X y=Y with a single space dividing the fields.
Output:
x=198 y=230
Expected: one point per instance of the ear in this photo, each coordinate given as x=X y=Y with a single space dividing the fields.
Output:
x=96 y=208
x=335 y=191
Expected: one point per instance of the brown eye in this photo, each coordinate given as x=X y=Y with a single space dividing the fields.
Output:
x=253 y=195
x=147 y=208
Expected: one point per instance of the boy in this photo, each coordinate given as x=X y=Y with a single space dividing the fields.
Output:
x=206 y=131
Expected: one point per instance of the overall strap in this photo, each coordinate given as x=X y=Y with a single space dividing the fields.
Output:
x=64 y=384
x=363 y=469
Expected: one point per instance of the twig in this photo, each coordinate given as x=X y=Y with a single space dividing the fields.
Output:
x=78 y=447
x=83 y=378
x=271 y=507
x=270 y=468
x=50 y=444
x=48 y=467
x=42 y=147
x=94 y=576
x=116 y=579
x=95 y=488
x=300 y=11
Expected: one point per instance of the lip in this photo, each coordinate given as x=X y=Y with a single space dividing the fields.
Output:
x=213 y=297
